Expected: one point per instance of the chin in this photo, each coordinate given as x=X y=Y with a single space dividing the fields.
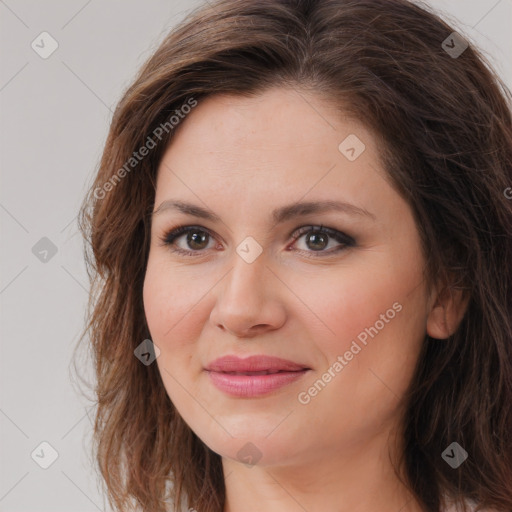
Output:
x=254 y=446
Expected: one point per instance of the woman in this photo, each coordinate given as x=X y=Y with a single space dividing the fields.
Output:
x=301 y=240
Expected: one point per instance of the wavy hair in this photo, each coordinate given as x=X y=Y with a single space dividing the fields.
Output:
x=443 y=124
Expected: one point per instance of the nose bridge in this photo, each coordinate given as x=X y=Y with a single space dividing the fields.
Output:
x=245 y=282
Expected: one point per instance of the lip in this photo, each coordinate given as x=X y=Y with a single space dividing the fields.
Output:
x=245 y=378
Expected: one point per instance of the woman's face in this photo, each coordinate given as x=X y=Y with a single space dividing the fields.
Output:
x=346 y=306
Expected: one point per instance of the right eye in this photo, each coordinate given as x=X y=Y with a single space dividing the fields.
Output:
x=196 y=236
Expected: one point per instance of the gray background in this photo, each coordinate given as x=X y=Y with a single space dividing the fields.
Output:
x=55 y=115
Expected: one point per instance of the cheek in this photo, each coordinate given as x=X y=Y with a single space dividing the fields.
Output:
x=379 y=327
x=176 y=314
x=343 y=304
x=374 y=317
x=169 y=298
x=379 y=322
x=156 y=298
x=169 y=309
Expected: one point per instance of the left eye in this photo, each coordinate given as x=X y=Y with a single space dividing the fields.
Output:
x=317 y=239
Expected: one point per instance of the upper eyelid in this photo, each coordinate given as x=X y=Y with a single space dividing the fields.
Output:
x=311 y=227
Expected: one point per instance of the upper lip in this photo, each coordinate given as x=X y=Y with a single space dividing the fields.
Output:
x=257 y=363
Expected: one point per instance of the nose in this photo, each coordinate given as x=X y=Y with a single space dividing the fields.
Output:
x=249 y=299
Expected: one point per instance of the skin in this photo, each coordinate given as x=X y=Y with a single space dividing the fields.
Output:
x=241 y=158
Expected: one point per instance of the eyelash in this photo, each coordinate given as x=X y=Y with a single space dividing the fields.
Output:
x=170 y=236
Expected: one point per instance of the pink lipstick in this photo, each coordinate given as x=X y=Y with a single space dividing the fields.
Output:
x=253 y=376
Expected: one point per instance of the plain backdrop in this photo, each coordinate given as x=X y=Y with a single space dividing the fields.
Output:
x=55 y=114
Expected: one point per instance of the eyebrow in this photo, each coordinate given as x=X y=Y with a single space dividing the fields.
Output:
x=279 y=215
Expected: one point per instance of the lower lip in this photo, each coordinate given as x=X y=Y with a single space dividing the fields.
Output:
x=247 y=386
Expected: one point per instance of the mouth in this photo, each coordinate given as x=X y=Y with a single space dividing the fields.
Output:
x=254 y=364
x=253 y=376
x=263 y=372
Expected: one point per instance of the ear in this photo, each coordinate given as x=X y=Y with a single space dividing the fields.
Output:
x=446 y=312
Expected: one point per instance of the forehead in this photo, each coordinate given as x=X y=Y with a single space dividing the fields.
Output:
x=258 y=117
x=278 y=136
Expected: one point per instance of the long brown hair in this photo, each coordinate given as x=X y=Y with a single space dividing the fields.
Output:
x=443 y=122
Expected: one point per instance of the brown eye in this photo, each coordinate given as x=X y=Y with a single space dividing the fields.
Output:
x=196 y=240
x=318 y=238
x=317 y=241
